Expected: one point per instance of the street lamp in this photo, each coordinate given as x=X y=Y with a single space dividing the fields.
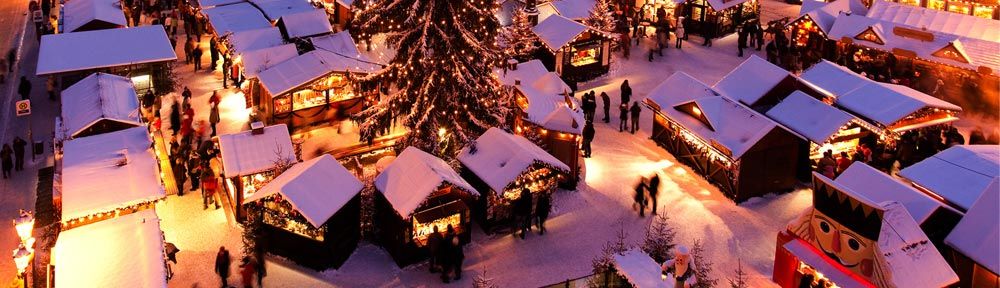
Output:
x=22 y=256
x=23 y=224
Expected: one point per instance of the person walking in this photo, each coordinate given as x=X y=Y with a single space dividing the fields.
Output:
x=607 y=106
x=708 y=31
x=19 y=145
x=208 y=186
x=11 y=59
x=196 y=57
x=542 y=210
x=589 y=105
x=433 y=243
x=6 y=155
x=635 y=116
x=626 y=90
x=261 y=262
x=741 y=40
x=623 y=117
x=3 y=72
x=588 y=137
x=24 y=88
x=457 y=256
x=444 y=255
x=654 y=190
x=679 y=32
x=194 y=171
x=222 y=265
x=188 y=50
x=213 y=48
x=180 y=174
x=248 y=269
x=175 y=117
x=759 y=34
x=227 y=65
x=843 y=162
x=640 y=197
x=523 y=212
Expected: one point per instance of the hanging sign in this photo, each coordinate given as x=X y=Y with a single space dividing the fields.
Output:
x=22 y=107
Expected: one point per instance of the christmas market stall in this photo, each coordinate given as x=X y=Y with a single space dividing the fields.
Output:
x=739 y=150
x=98 y=104
x=720 y=17
x=574 y=51
x=311 y=213
x=757 y=83
x=106 y=176
x=418 y=192
x=232 y=18
x=862 y=231
x=957 y=175
x=88 y=15
x=577 y=10
x=141 y=53
x=972 y=244
x=275 y=9
x=235 y=46
x=825 y=126
x=248 y=64
x=251 y=159
x=499 y=165
x=341 y=12
x=635 y=268
x=548 y=117
x=984 y=9
x=127 y=251
x=205 y=4
x=816 y=19
x=304 y=24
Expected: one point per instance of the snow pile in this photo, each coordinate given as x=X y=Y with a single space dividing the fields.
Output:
x=126 y=251
x=262 y=59
x=234 y=18
x=249 y=40
x=958 y=174
x=557 y=31
x=751 y=80
x=244 y=153
x=880 y=187
x=78 y=13
x=500 y=157
x=317 y=188
x=977 y=234
x=413 y=176
x=809 y=117
x=98 y=97
x=304 y=24
x=639 y=269
x=68 y=52
x=104 y=172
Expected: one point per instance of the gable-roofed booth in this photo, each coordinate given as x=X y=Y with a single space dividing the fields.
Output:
x=126 y=251
x=816 y=19
x=251 y=159
x=418 y=192
x=98 y=104
x=499 y=164
x=304 y=24
x=739 y=150
x=972 y=243
x=311 y=213
x=574 y=51
x=718 y=15
x=88 y=15
x=957 y=175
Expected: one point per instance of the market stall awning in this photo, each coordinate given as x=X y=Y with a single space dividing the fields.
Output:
x=246 y=153
x=99 y=97
x=887 y=104
x=126 y=251
x=546 y=95
x=831 y=79
x=639 y=269
x=809 y=117
x=305 y=24
x=977 y=234
x=750 y=81
x=498 y=158
x=275 y=9
x=234 y=18
x=306 y=68
x=78 y=13
x=262 y=59
x=958 y=174
x=936 y=20
x=68 y=52
x=558 y=31
x=109 y=171
x=250 y=40
x=413 y=176
x=879 y=187
x=823 y=264
x=317 y=188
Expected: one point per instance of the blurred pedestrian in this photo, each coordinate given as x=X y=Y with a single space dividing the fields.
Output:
x=196 y=57
x=180 y=174
x=522 y=210
x=24 y=88
x=19 y=145
x=542 y=209
x=654 y=190
x=6 y=155
x=213 y=116
x=623 y=117
x=222 y=262
x=679 y=32
x=640 y=197
x=588 y=138
x=635 y=116
x=607 y=106
x=50 y=87
x=248 y=270
x=209 y=185
x=433 y=243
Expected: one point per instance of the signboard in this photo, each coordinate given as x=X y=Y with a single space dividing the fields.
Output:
x=22 y=107
x=36 y=16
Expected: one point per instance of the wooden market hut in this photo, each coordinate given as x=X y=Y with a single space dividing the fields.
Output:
x=739 y=150
x=304 y=24
x=234 y=17
x=815 y=20
x=417 y=192
x=759 y=84
x=98 y=104
x=957 y=175
x=249 y=64
x=311 y=213
x=722 y=17
x=574 y=51
x=251 y=159
x=549 y=116
x=633 y=268
x=126 y=251
x=971 y=245
x=341 y=13
x=577 y=10
x=89 y=15
x=825 y=126
x=275 y=9
x=499 y=164
x=140 y=53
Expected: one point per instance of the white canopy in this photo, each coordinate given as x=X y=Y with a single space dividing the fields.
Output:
x=262 y=59
x=825 y=13
x=317 y=188
x=888 y=103
x=501 y=157
x=413 y=176
x=78 y=13
x=831 y=79
x=99 y=97
x=879 y=187
x=104 y=172
x=936 y=20
x=720 y=5
x=205 y=4
x=572 y=9
x=126 y=251
x=275 y=9
x=235 y=17
x=304 y=24
x=977 y=234
x=809 y=117
x=545 y=92
x=86 y=50
x=639 y=269
x=751 y=80
x=557 y=31
x=244 y=153
x=303 y=69
x=250 y=40
x=342 y=44
x=958 y=174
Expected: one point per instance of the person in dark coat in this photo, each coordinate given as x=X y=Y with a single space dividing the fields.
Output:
x=588 y=137
x=194 y=171
x=11 y=58
x=213 y=48
x=24 y=88
x=433 y=243
x=708 y=31
x=444 y=257
x=8 y=161
x=607 y=107
x=623 y=117
x=175 y=117
x=741 y=40
x=19 y=145
x=635 y=116
x=196 y=57
x=180 y=174
x=640 y=197
x=626 y=92
x=589 y=105
x=523 y=212
x=654 y=190
x=213 y=116
x=148 y=99
x=456 y=255
x=222 y=262
x=542 y=210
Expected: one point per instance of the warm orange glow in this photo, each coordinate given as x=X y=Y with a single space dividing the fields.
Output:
x=696 y=111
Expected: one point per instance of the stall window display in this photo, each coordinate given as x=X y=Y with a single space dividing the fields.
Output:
x=280 y=214
x=331 y=89
x=252 y=183
x=936 y=4
x=984 y=11
x=910 y=2
x=585 y=54
x=960 y=8
x=421 y=231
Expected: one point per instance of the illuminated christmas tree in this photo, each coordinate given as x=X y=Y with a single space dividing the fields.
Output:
x=600 y=17
x=518 y=40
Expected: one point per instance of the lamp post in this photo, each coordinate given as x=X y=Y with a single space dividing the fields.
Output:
x=23 y=224
x=21 y=258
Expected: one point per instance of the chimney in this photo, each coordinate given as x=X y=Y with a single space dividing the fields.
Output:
x=512 y=63
x=256 y=128
x=531 y=9
x=517 y=81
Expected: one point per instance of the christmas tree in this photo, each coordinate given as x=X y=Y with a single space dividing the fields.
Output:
x=703 y=267
x=440 y=83
x=740 y=277
x=600 y=17
x=659 y=239
x=518 y=40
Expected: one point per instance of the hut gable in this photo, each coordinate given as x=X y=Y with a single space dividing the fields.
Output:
x=317 y=188
x=99 y=97
x=751 y=81
x=871 y=34
x=499 y=158
x=413 y=176
x=82 y=15
x=953 y=51
x=558 y=31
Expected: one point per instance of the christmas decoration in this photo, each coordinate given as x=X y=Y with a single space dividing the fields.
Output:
x=439 y=83
x=659 y=238
x=600 y=17
x=703 y=267
x=739 y=279
x=483 y=281
x=517 y=40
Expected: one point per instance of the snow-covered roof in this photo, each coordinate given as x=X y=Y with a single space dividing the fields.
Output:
x=340 y=43
x=751 y=80
x=888 y=103
x=304 y=24
x=317 y=188
x=831 y=79
x=809 y=117
x=275 y=9
x=911 y=257
x=86 y=50
x=78 y=13
x=557 y=31
x=113 y=170
x=823 y=264
x=235 y=17
x=572 y=9
x=249 y=40
x=879 y=187
x=958 y=174
x=719 y=5
x=545 y=91
x=825 y=13
x=639 y=269
x=244 y=153
x=977 y=234
x=501 y=157
x=205 y=4
x=732 y=125
x=303 y=69
x=936 y=20
x=98 y=97
x=126 y=251
x=262 y=59
x=413 y=176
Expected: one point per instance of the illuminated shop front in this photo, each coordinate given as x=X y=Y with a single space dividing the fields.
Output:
x=979 y=8
x=722 y=17
x=251 y=159
x=574 y=51
x=417 y=192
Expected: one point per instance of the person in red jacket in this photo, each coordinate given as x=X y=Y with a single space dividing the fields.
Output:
x=843 y=162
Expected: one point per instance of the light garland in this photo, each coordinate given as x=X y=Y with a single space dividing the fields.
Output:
x=119 y=211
